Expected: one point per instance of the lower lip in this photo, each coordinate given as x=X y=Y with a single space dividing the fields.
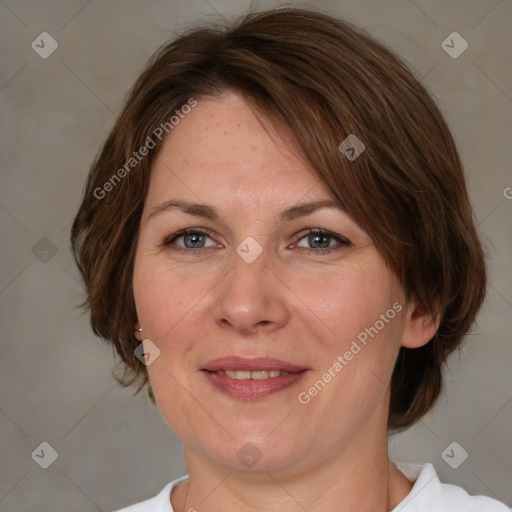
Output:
x=253 y=389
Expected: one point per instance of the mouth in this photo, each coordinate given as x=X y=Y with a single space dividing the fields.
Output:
x=251 y=379
x=256 y=375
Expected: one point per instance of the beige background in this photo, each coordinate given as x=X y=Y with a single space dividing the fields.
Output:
x=55 y=377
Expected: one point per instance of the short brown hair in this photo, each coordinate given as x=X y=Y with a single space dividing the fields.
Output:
x=323 y=79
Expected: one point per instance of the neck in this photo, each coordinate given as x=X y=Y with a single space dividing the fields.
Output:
x=357 y=477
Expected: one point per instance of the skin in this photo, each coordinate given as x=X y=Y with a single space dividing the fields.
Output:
x=291 y=304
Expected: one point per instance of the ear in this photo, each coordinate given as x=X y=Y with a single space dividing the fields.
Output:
x=138 y=332
x=420 y=327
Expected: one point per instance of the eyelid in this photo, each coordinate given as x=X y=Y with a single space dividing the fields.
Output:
x=182 y=232
x=322 y=231
x=303 y=234
x=342 y=242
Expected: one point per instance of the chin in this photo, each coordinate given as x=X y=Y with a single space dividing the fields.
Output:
x=254 y=454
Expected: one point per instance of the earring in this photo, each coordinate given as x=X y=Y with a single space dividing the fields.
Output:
x=138 y=327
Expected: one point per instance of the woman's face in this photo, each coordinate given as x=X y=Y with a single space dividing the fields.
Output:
x=251 y=284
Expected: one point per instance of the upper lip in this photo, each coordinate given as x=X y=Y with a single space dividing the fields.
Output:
x=252 y=365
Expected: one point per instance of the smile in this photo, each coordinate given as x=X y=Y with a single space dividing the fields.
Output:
x=252 y=385
x=255 y=375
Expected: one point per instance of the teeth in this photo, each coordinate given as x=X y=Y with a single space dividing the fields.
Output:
x=244 y=375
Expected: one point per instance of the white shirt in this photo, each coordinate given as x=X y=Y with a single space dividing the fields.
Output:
x=427 y=495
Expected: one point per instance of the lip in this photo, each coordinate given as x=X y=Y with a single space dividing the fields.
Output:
x=252 y=365
x=252 y=389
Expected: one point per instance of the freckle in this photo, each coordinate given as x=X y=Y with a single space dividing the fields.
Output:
x=225 y=132
x=238 y=125
x=206 y=128
x=253 y=148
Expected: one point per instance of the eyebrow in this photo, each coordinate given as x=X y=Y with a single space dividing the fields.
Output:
x=212 y=213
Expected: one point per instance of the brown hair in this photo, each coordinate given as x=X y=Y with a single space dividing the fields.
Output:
x=324 y=79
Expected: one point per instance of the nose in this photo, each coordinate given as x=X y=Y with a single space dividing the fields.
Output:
x=251 y=298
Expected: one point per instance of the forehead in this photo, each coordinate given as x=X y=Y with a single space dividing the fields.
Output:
x=223 y=147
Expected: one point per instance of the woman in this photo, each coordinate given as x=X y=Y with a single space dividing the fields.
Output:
x=277 y=239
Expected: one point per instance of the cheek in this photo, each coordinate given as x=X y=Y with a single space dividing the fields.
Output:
x=356 y=324
x=166 y=300
x=344 y=301
x=166 y=304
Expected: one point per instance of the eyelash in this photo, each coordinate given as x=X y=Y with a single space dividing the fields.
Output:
x=341 y=241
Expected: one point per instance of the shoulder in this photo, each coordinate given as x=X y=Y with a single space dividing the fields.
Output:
x=429 y=493
x=159 y=503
